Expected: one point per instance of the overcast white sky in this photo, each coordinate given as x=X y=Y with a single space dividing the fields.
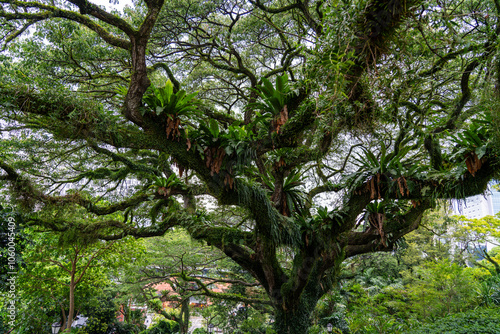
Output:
x=110 y=6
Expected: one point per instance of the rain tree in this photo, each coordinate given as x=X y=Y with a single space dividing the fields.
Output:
x=290 y=135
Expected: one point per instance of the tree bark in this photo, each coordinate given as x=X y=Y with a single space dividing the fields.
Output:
x=71 y=313
x=184 y=317
x=294 y=316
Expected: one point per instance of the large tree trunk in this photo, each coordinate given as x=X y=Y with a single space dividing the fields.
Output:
x=295 y=320
x=296 y=299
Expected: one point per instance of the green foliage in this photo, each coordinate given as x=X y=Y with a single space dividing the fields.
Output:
x=78 y=150
x=377 y=309
x=232 y=317
x=120 y=327
x=395 y=167
x=330 y=310
x=323 y=220
x=234 y=145
x=101 y=314
x=480 y=321
x=294 y=198
x=391 y=163
x=200 y=331
x=417 y=284
x=274 y=98
x=438 y=289
x=43 y=282
x=190 y=264
x=163 y=100
x=237 y=141
x=489 y=291
x=170 y=182
x=163 y=327
x=443 y=288
x=164 y=186
x=209 y=134
x=481 y=228
x=475 y=138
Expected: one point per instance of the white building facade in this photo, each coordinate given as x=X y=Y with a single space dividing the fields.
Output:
x=479 y=206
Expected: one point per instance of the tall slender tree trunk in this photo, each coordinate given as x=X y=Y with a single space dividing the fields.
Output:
x=184 y=317
x=63 y=317
x=72 y=287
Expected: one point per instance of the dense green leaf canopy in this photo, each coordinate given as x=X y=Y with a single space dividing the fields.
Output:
x=288 y=134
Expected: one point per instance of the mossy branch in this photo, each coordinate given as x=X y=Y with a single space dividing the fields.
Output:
x=222 y=295
x=221 y=236
x=109 y=229
x=48 y=12
x=166 y=68
x=57 y=109
x=88 y=8
x=23 y=188
x=371 y=241
x=133 y=166
x=283 y=9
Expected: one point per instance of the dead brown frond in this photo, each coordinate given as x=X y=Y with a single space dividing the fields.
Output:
x=214 y=156
x=281 y=119
x=173 y=127
x=473 y=163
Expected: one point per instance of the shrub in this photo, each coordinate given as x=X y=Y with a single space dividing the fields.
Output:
x=164 y=327
x=479 y=321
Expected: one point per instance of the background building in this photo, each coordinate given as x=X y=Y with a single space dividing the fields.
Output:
x=479 y=206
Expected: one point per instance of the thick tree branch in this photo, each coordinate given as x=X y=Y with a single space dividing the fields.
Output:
x=88 y=8
x=87 y=122
x=110 y=230
x=222 y=295
x=370 y=241
x=47 y=12
x=287 y=8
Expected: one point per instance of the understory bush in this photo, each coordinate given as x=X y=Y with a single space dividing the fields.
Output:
x=479 y=321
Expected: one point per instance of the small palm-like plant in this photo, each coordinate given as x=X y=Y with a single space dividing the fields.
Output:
x=295 y=196
x=274 y=101
x=375 y=216
x=387 y=163
x=229 y=149
x=473 y=143
x=292 y=197
x=163 y=100
x=385 y=167
x=164 y=186
x=208 y=140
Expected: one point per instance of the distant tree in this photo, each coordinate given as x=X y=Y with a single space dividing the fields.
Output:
x=189 y=270
x=65 y=279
